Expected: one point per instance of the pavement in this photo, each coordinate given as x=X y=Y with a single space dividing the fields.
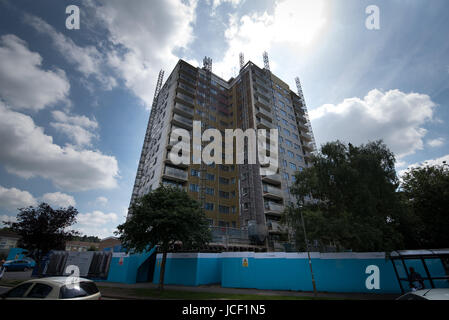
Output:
x=219 y=289
x=109 y=290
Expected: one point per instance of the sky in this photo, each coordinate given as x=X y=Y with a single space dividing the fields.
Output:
x=74 y=103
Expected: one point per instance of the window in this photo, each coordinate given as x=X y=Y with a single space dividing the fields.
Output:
x=224 y=194
x=39 y=291
x=194 y=188
x=297 y=147
x=293 y=166
x=195 y=173
x=293 y=179
x=287 y=132
x=210 y=191
x=281 y=150
x=300 y=158
x=210 y=177
x=224 y=180
x=288 y=143
x=286 y=176
x=83 y=290
x=19 y=291
x=223 y=209
x=209 y=206
x=290 y=154
x=284 y=163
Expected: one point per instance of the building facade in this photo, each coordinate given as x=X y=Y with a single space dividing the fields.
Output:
x=238 y=200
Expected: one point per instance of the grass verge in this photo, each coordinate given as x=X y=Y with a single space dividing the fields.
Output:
x=189 y=295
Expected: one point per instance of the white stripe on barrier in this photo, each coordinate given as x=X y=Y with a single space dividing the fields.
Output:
x=353 y=255
x=237 y=255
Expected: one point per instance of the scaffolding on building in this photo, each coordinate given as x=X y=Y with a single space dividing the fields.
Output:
x=306 y=115
x=148 y=137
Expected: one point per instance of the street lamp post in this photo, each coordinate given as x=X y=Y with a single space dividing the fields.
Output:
x=308 y=251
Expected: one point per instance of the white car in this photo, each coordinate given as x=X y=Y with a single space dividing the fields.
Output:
x=426 y=294
x=55 y=288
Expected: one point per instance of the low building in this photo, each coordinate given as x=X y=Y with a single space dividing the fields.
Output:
x=8 y=240
x=81 y=246
x=111 y=243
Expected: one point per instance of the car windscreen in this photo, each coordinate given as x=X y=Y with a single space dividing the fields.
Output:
x=82 y=289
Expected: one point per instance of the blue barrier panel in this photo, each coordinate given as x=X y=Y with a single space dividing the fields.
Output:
x=237 y=269
x=124 y=267
x=16 y=254
x=189 y=269
x=180 y=269
x=208 y=269
x=340 y=272
x=348 y=272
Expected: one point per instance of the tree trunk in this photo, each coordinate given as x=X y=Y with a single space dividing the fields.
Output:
x=161 y=278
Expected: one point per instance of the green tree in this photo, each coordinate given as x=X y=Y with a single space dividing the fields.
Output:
x=42 y=229
x=164 y=217
x=348 y=198
x=427 y=192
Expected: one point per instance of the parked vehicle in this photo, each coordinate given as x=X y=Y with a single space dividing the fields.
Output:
x=426 y=294
x=19 y=265
x=55 y=288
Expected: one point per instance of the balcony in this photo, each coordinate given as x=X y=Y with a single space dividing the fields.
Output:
x=305 y=136
x=262 y=103
x=185 y=99
x=183 y=110
x=275 y=227
x=307 y=147
x=265 y=124
x=188 y=80
x=182 y=122
x=175 y=174
x=264 y=113
x=302 y=125
x=186 y=89
x=273 y=179
x=272 y=192
x=273 y=208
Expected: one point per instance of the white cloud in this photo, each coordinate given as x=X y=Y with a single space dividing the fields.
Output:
x=431 y=162
x=28 y=152
x=97 y=223
x=436 y=142
x=294 y=23
x=77 y=128
x=23 y=83
x=81 y=121
x=96 y=218
x=102 y=201
x=88 y=60
x=59 y=200
x=145 y=35
x=13 y=199
x=7 y=218
x=393 y=116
